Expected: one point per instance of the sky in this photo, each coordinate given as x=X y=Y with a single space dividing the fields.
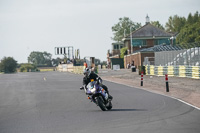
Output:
x=42 y=25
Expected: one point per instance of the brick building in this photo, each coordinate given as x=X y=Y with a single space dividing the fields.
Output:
x=145 y=37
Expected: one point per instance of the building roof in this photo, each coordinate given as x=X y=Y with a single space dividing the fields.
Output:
x=158 y=48
x=149 y=30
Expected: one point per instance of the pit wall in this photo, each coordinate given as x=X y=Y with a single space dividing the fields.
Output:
x=178 y=71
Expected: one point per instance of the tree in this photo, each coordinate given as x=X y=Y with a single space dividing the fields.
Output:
x=175 y=23
x=189 y=34
x=196 y=17
x=123 y=28
x=190 y=19
x=40 y=58
x=8 y=65
x=191 y=31
x=56 y=61
x=157 y=24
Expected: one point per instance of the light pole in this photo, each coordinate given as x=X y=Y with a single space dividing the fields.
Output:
x=131 y=38
x=126 y=58
x=124 y=33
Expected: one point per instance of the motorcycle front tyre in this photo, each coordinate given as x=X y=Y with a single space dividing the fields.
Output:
x=100 y=102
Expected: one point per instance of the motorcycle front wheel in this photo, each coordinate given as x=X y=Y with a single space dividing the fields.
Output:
x=100 y=103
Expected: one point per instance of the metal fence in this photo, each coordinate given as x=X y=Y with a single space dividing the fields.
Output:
x=189 y=55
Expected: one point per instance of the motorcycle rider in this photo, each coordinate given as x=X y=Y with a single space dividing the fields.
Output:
x=88 y=76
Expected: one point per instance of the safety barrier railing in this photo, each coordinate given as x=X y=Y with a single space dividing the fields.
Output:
x=179 y=71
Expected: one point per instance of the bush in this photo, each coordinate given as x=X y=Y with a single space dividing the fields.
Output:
x=8 y=65
x=27 y=67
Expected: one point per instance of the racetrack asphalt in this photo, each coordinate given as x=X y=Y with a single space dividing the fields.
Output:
x=51 y=102
x=184 y=89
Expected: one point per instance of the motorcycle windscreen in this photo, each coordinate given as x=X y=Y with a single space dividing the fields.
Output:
x=91 y=87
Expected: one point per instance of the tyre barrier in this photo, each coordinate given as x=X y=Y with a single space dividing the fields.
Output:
x=178 y=71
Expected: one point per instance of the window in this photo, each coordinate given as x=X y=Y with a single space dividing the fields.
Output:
x=116 y=46
x=161 y=41
x=144 y=43
x=138 y=42
x=156 y=42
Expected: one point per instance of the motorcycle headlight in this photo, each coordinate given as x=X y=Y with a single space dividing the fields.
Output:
x=93 y=90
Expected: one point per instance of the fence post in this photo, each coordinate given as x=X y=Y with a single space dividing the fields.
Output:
x=167 y=85
x=142 y=78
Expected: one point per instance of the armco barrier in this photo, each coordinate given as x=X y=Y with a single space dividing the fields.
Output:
x=179 y=71
x=176 y=70
x=147 y=69
x=160 y=71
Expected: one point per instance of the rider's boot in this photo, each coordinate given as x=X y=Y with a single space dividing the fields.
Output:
x=110 y=97
x=81 y=88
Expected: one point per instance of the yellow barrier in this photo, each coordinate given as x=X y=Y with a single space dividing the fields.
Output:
x=195 y=72
x=170 y=70
x=151 y=70
x=160 y=71
x=182 y=71
x=146 y=70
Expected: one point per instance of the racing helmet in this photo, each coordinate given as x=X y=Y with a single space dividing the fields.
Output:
x=86 y=72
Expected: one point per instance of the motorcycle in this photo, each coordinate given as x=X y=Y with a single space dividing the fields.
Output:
x=98 y=95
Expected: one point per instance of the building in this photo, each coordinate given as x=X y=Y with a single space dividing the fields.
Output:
x=145 y=37
x=116 y=47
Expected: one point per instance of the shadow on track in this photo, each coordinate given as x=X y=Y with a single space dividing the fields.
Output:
x=128 y=110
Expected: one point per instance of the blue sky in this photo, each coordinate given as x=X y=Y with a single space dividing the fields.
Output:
x=41 y=25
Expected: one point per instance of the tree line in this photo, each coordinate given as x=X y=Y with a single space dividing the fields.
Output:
x=38 y=59
x=188 y=29
x=35 y=59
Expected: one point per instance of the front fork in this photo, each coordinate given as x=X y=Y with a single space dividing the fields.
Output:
x=92 y=99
